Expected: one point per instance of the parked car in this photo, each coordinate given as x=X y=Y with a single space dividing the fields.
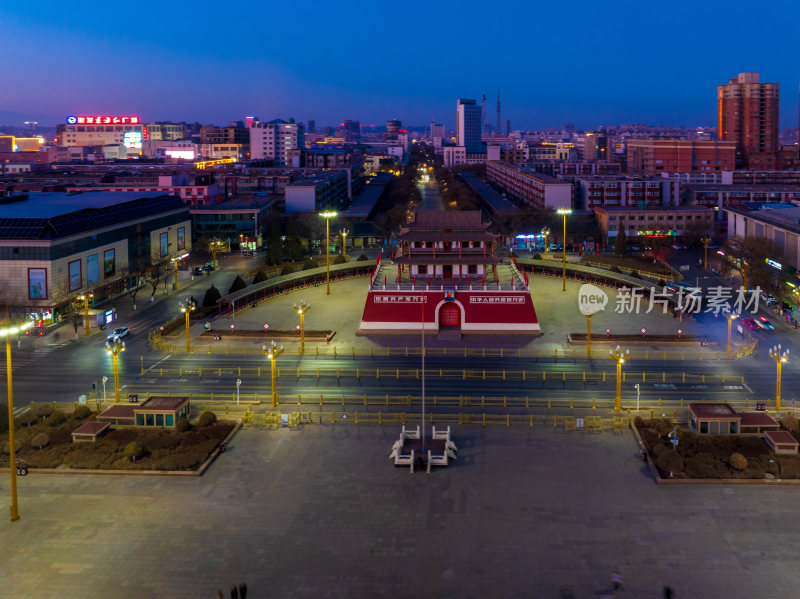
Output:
x=765 y=324
x=119 y=333
x=787 y=307
x=767 y=299
x=208 y=267
x=750 y=324
x=197 y=271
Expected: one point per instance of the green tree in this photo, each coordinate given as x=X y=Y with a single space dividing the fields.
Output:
x=40 y=440
x=238 y=284
x=340 y=259
x=621 y=242
x=133 y=450
x=260 y=277
x=211 y=297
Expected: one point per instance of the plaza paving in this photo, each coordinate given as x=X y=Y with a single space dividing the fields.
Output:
x=320 y=512
x=557 y=311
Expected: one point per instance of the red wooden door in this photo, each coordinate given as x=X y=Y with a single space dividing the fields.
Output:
x=450 y=315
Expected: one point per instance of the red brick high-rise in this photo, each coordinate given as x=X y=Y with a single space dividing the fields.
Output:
x=747 y=113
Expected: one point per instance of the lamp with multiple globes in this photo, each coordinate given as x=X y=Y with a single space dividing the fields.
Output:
x=115 y=347
x=328 y=215
x=619 y=356
x=301 y=308
x=272 y=351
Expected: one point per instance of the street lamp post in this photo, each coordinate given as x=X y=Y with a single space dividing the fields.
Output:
x=105 y=380
x=588 y=335
x=272 y=351
x=344 y=233
x=564 y=212
x=545 y=232
x=115 y=347
x=301 y=309
x=85 y=299
x=12 y=454
x=637 y=395
x=731 y=317
x=187 y=308
x=238 y=382
x=780 y=358
x=327 y=216
x=619 y=357
x=705 y=241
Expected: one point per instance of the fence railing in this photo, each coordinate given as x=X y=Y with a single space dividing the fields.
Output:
x=451 y=373
x=251 y=347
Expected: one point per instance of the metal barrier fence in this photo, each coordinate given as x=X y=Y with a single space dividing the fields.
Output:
x=450 y=373
x=254 y=348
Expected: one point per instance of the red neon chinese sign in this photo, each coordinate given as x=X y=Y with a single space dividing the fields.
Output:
x=103 y=120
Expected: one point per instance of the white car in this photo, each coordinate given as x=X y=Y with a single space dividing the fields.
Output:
x=119 y=333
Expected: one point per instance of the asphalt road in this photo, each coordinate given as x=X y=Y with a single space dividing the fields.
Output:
x=45 y=371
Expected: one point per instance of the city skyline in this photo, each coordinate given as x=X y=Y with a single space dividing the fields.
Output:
x=582 y=63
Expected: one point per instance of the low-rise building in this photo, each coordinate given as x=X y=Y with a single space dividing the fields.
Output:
x=653 y=156
x=529 y=187
x=775 y=222
x=665 y=221
x=55 y=246
x=609 y=190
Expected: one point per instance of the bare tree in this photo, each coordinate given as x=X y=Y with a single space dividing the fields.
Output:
x=750 y=255
x=138 y=283
x=158 y=272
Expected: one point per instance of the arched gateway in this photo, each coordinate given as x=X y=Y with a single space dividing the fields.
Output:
x=449 y=316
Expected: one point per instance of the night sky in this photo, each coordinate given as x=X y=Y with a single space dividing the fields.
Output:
x=590 y=63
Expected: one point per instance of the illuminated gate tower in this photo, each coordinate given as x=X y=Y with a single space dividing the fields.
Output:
x=446 y=276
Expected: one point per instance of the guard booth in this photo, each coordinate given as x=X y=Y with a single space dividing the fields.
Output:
x=714 y=419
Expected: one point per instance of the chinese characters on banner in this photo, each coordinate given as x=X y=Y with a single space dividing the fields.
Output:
x=690 y=300
x=393 y=299
x=103 y=120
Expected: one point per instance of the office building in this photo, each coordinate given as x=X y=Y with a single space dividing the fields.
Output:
x=775 y=222
x=468 y=126
x=277 y=140
x=86 y=131
x=613 y=190
x=747 y=114
x=166 y=131
x=352 y=131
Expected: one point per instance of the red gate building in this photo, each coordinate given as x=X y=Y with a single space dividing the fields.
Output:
x=445 y=276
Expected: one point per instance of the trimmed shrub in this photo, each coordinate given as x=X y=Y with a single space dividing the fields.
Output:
x=56 y=419
x=238 y=284
x=738 y=461
x=340 y=259
x=211 y=297
x=3 y=417
x=704 y=466
x=789 y=422
x=160 y=440
x=537 y=256
x=206 y=419
x=670 y=461
x=44 y=410
x=260 y=277
x=287 y=269
x=133 y=450
x=309 y=264
x=615 y=269
x=362 y=257
x=638 y=422
x=81 y=412
x=658 y=449
x=28 y=418
x=40 y=440
x=7 y=446
x=183 y=425
x=635 y=274
x=661 y=425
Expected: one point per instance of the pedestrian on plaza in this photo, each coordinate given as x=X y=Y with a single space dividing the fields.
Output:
x=668 y=592
x=234 y=592
x=616 y=581
x=243 y=591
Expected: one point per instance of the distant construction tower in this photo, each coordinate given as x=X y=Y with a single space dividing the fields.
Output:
x=498 y=113
x=483 y=113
